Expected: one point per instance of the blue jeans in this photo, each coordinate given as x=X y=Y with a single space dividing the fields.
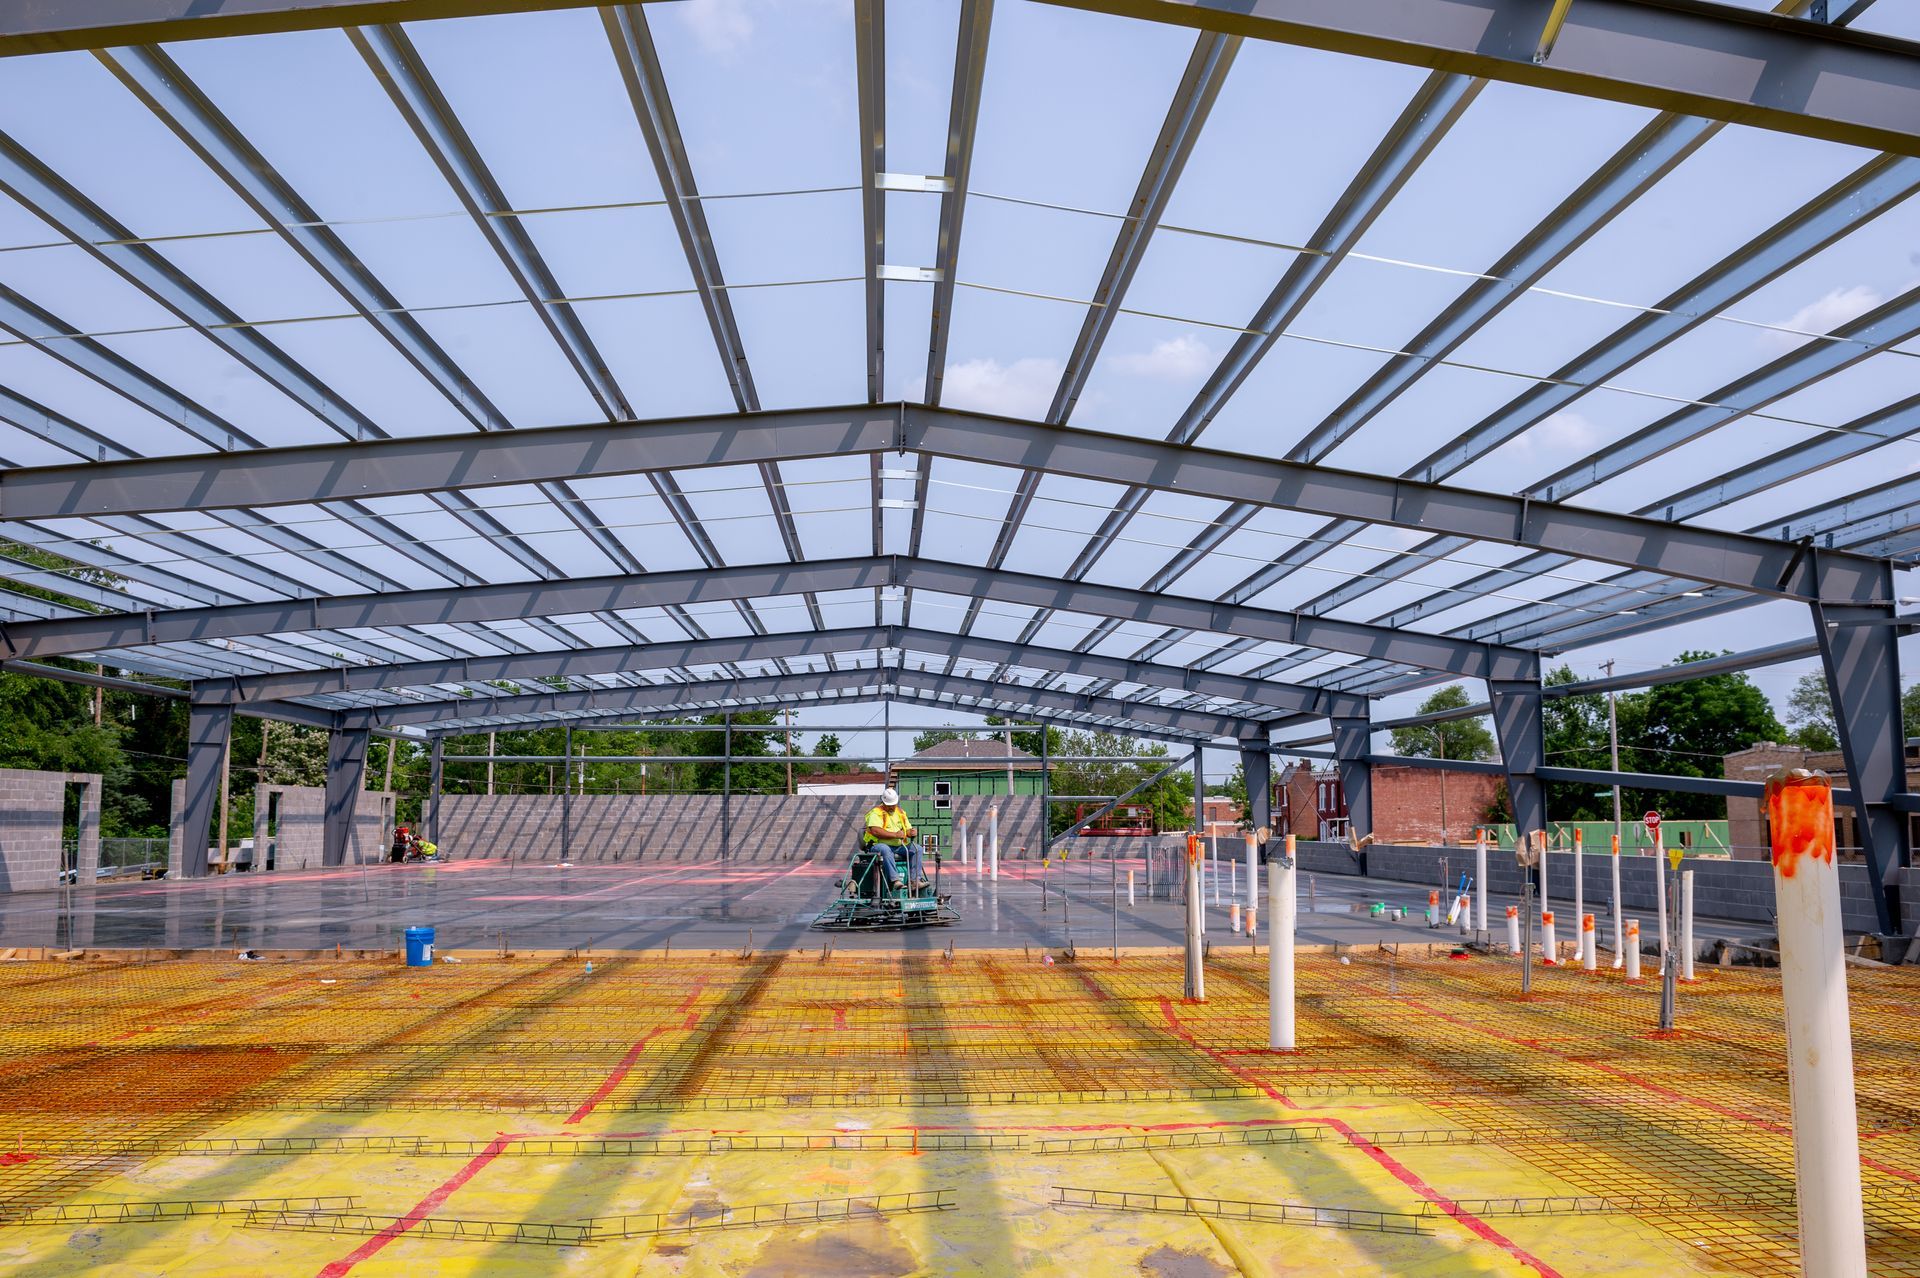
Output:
x=916 y=864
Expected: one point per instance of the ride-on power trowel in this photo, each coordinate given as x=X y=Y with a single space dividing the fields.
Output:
x=867 y=904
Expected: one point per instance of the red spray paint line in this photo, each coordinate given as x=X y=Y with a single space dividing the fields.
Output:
x=1399 y=1171
x=421 y=1210
x=619 y=1073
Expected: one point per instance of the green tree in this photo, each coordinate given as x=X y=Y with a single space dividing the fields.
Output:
x=1452 y=739
x=1687 y=729
x=1575 y=733
x=1171 y=798
x=934 y=736
x=1810 y=711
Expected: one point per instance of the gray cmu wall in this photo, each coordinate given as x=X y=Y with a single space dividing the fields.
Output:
x=32 y=808
x=301 y=817
x=1722 y=889
x=299 y=842
x=686 y=827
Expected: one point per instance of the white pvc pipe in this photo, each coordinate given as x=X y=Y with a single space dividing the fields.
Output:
x=1282 y=903
x=1619 y=942
x=1129 y=889
x=1253 y=920
x=1253 y=873
x=1433 y=908
x=960 y=837
x=1546 y=850
x=1233 y=917
x=993 y=861
x=1660 y=892
x=1233 y=879
x=993 y=837
x=1589 y=947
x=1513 y=928
x=1580 y=893
x=1546 y=938
x=1196 y=970
x=1480 y=878
x=1813 y=984
x=1213 y=865
x=1686 y=925
x=1633 y=949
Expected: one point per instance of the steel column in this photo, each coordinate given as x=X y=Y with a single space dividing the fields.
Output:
x=1518 y=727
x=1256 y=769
x=1353 y=753
x=346 y=778
x=1859 y=652
x=436 y=778
x=209 y=737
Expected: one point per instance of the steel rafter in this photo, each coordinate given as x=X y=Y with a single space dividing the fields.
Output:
x=1206 y=71
x=165 y=90
x=1863 y=195
x=1146 y=713
x=963 y=116
x=1434 y=109
x=633 y=52
x=1690 y=56
x=625 y=658
x=470 y=604
x=827 y=699
x=870 y=68
x=1759 y=565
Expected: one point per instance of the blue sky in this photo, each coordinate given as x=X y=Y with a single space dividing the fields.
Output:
x=764 y=92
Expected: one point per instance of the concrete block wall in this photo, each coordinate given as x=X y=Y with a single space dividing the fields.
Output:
x=300 y=812
x=32 y=816
x=1725 y=889
x=650 y=827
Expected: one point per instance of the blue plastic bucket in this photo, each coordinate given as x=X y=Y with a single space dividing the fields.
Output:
x=419 y=947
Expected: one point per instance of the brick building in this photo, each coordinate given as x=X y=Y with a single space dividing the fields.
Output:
x=1747 y=833
x=1410 y=804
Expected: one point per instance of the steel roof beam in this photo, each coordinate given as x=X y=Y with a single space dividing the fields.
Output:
x=458 y=605
x=655 y=657
x=1200 y=83
x=1741 y=560
x=1699 y=58
x=870 y=71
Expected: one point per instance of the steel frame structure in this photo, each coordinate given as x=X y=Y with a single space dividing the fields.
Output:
x=280 y=613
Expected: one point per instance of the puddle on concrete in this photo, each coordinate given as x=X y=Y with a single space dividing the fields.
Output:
x=1170 y=1262
x=863 y=1247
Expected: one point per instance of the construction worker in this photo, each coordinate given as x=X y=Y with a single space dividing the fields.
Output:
x=889 y=827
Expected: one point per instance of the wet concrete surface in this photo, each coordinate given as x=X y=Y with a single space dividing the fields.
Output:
x=487 y=905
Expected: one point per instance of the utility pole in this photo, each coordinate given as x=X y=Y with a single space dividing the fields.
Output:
x=786 y=714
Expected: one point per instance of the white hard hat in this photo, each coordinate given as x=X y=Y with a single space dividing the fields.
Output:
x=889 y=797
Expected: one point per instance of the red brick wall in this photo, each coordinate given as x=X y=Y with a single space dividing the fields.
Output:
x=1302 y=821
x=1406 y=803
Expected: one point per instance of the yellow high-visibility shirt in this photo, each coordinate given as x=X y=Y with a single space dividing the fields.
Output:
x=893 y=820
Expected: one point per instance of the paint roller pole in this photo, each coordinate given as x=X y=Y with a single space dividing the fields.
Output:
x=1619 y=942
x=1580 y=893
x=1660 y=892
x=1196 y=983
x=1589 y=947
x=1669 y=970
x=1480 y=881
x=1283 y=901
x=1813 y=984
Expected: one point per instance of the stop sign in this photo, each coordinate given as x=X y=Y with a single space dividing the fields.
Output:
x=1653 y=822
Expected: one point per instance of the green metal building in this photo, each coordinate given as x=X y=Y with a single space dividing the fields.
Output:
x=930 y=781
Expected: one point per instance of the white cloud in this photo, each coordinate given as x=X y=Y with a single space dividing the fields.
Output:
x=1182 y=356
x=1563 y=434
x=1824 y=314
x=721 y=26
x=1023 y=388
